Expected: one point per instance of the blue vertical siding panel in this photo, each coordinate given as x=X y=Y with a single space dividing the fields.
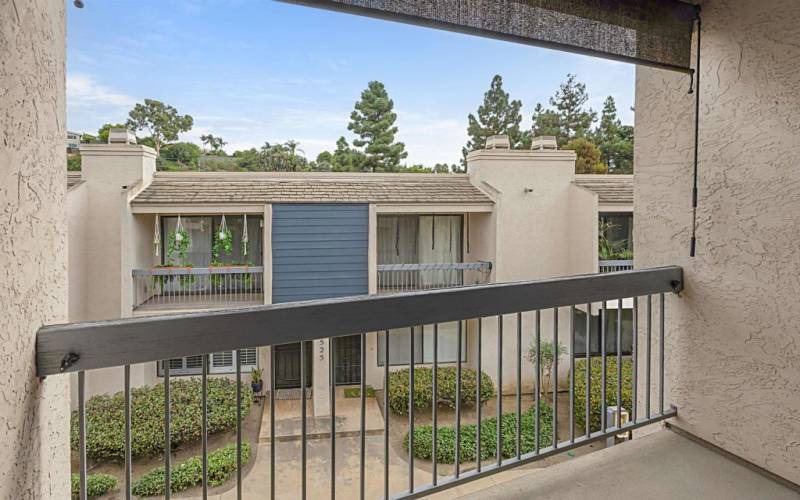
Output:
x=319 y=251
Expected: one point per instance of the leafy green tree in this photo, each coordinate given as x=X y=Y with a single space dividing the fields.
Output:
x=373 y=121
x=343 y=159
x=497 y=115
x=588 y=161
x=185 y=153
x=161 y=120
x=89 y=139
x=215 y=144
x=568 y=102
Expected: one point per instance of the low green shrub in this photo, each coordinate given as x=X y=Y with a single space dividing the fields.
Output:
x=445 y=385
x=446 y=437
x=596 y=409
x=221 y=465
x=105 y=417
x=96 y=485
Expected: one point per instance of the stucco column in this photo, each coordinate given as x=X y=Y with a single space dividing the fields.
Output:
x=321 y=376
x=34 y=414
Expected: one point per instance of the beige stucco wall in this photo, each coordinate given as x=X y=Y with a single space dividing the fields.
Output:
x=733 y=354
x=34 y=414
x=543 y=226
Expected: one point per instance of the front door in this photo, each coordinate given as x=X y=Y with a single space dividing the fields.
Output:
x=348 y=359
x=287 y=365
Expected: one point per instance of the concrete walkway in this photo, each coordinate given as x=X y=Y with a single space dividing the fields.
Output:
x=660 y=466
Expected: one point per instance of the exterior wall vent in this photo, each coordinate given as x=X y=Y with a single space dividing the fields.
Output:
x=498 y=142
x=544 y=142
x=121 y=136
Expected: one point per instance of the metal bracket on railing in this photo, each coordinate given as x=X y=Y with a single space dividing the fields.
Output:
x=677 y=286
x=68 y=360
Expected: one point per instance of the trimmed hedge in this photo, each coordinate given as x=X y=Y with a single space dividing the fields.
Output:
x=445 y=385
x=96 y=485
x=446 y=437
x=596 y=410
x=105 y=417
x=221 y=465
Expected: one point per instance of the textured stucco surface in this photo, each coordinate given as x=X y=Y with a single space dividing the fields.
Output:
x=34 y=423
x=733 y=345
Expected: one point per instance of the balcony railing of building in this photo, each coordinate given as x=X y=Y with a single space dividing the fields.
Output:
x=610 y=266
x=200 y=287
x=519 y=306
x=396 y=278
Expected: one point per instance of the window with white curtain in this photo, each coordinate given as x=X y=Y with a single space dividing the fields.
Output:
x=400 y=348
x=419 y=239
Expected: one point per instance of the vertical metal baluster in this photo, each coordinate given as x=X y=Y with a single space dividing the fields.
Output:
x=363 y=408
x=332 y=376
x=555 y=377
x=499 y=427
x=82 y=434
x=661 y=356
x=435 y=403
x=239 y=424
x=411 y=413
x=272 y=422
x=635 y=361
x=167 y=435
x=386 y=414
x=648 y=356
x=572 y=374
x=458 y=400
x=303 y=420
x=519 y=386
x=128 y=461
x=538 y=388
x=478 y=401
x=603 y=316
x=588 y=394
x=204 y=430
x=619 y=364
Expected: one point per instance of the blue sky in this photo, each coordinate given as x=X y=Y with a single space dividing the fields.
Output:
x=257 y=70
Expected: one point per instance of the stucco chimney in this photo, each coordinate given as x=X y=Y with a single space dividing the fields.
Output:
x=544 y=142
x=498 y=142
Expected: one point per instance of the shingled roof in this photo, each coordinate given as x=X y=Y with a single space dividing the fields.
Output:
x=610 y=189
x=220 y=189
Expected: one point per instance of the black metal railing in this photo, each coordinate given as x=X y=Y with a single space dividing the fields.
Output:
x=398 y=278
x=490 y=309
x=201 y=287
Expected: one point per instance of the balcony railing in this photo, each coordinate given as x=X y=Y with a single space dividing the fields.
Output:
x=611 y=266
x=396 y=278
x=197 y=287
x=519 y=306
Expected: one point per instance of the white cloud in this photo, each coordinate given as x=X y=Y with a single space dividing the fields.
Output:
x=84 y=91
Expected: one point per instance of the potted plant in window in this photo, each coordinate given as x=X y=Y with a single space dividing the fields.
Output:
x=256 y=382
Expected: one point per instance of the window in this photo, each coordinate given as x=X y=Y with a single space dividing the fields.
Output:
x=201 y=231
x=579 y=330
x=220 y=362
x=399 y=345
x=618 y=228
x=419 y=239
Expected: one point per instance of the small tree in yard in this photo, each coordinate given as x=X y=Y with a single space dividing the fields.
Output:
x=548 y=354
x=161 y=120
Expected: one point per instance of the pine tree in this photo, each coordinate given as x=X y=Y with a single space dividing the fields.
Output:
x=614 y=140
x=545 y=122
x=497 y=115
x=569 y=103
x=372 y=121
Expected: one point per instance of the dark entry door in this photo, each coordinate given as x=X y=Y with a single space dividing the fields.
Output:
x=348 y=359
x=287 y=365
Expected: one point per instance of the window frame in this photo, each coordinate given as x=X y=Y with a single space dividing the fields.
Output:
x=420 y=344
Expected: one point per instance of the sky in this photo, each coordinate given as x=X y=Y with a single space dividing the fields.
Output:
x=252 y=71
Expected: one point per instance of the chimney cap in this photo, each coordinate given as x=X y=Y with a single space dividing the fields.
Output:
x=544 y=142
x=121 y=136
x=500 y=141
